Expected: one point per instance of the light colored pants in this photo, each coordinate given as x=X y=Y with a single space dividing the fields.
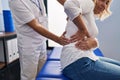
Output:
x=87 y=69
x=31 y=62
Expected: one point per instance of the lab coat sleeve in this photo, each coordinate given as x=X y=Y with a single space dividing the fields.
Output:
x=72 y=8
x=20 y=12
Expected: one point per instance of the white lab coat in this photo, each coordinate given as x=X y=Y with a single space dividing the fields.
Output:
x=31 y=45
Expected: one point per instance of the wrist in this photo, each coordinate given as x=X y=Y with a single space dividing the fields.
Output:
x=93 y=43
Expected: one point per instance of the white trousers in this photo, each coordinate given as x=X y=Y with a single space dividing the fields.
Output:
x=31 y=61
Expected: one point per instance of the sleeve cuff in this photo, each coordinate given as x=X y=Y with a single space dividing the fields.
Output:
x=72 y=9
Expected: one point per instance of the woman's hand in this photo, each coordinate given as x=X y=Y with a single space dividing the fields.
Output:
x=86 y=44
x=77 y=36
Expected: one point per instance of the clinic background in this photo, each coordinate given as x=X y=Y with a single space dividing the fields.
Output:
x=109 y=29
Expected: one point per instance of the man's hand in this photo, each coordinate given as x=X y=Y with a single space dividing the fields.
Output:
x=62 y=40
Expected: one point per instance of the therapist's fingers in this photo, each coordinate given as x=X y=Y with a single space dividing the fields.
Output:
x=63 y=40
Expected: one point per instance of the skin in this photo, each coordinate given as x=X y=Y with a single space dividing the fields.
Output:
x=100 y=6
x=89 y=42
x=86 y=44
x=34 y=24
x=61 y=1
x=81 y=26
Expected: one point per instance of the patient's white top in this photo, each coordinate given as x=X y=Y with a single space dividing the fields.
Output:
x=73 y=8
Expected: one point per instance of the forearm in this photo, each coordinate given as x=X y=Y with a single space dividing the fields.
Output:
x=74 y=14
x=81 y=25
x=42 y=31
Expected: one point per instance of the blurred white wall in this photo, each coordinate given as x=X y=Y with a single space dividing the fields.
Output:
x=0 y=7
x=1 y=17
x=56 y=19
